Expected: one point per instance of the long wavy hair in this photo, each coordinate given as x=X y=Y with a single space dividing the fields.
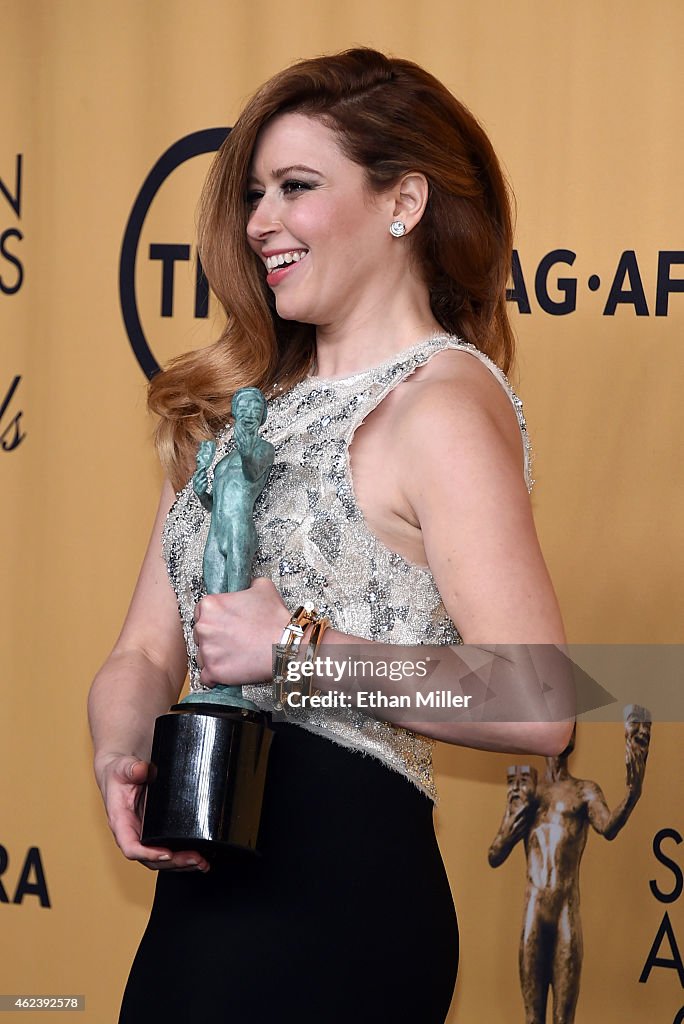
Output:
x=391 y=117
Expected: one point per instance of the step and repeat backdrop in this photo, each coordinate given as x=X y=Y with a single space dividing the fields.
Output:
x=111 y=112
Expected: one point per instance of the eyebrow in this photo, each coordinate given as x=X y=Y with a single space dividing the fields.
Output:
x=281 y=172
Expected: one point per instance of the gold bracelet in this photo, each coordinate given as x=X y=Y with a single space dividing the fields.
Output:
x=317 y=631
x=288 y=648
x=319 y=628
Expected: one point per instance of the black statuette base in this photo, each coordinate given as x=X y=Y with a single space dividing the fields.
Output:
x=207 y=781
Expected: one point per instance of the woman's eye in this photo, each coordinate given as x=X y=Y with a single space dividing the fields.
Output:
x=252 y=198
x=293 y=187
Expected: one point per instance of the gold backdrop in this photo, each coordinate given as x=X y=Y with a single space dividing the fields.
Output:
x=583 y=101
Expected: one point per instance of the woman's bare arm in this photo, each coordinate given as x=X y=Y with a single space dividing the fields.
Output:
x=138 y=682
x=466 y=487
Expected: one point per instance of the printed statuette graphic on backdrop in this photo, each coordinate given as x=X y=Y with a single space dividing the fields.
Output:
x=552 y=817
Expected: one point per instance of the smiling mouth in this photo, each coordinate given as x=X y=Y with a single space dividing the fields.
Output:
x=283 y=259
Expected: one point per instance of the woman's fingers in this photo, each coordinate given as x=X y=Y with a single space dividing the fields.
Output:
x=234 y=633
x=123 y=793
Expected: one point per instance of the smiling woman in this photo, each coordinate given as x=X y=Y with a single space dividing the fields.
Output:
x=329 y=214
x=387 y=117
x=355 y=226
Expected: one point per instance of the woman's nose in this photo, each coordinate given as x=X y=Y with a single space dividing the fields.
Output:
x=263 y=220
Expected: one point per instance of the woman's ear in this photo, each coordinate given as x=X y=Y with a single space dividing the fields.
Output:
x=410 y=198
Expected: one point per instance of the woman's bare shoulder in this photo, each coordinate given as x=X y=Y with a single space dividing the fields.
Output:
x=456 y=394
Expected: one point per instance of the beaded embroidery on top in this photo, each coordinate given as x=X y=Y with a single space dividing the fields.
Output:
x=314 y=543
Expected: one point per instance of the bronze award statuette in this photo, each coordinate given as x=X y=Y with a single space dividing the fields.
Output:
x=210 y=752
x=552 y=817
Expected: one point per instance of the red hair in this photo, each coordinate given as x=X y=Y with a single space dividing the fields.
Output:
x=391 y=117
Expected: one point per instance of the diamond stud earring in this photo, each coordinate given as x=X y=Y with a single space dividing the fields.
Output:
x=397 y=228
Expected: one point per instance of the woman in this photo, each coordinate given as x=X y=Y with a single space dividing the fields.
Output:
x=355 y=226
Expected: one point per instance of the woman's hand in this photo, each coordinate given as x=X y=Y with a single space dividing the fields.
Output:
x=235 y=634
x=121 y=779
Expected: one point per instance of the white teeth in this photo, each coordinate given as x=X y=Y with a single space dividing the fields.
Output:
x=283 y=258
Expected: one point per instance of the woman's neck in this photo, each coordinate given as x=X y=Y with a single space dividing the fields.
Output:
x=366 y=341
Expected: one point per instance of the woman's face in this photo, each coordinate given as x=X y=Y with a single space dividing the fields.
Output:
x=323 y=237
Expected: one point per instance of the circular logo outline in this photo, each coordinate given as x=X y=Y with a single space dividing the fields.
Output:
x=207 y=140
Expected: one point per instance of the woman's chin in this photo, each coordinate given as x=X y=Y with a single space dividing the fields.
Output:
x=293 y=311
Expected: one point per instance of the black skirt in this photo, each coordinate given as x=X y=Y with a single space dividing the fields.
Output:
x=346 y=915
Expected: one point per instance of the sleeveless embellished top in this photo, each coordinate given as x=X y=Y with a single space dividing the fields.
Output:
x=314 y=543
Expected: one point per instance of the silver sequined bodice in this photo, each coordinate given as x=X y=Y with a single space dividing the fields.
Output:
x=313 y=542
